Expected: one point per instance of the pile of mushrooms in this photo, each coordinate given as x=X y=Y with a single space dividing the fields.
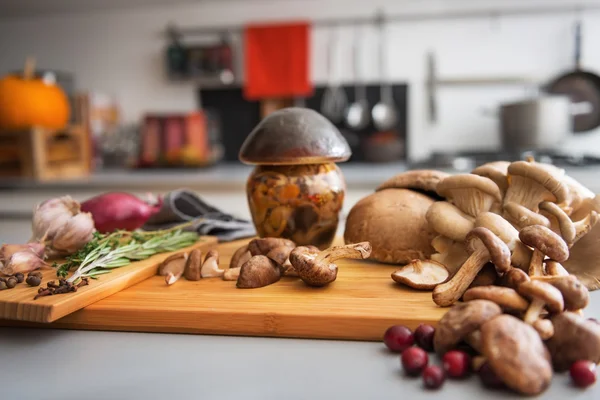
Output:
x=264 y=261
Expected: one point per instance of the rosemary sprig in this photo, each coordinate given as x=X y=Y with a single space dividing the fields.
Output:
x=106 y=252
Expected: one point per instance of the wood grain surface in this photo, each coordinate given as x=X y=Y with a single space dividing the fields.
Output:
x=18 y=303
x=359 y=305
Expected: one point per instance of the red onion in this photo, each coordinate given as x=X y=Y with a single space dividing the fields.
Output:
x=118 y=210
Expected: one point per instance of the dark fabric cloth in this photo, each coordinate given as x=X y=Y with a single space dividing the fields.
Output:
x=180 y=206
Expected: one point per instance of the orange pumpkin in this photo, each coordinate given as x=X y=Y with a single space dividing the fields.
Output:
x=27 y=102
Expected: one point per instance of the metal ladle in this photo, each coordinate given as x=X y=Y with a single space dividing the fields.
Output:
x=357 y=114
x=385 y=116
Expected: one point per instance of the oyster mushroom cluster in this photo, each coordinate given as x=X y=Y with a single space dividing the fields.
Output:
x=265 y=261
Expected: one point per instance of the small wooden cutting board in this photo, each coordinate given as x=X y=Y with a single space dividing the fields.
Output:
x=18 y=303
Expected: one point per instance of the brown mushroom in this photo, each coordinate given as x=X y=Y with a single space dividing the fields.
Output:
x=280 y=254
x=210 y=267
x=513 y=278
x=232 y=274
x=584 y=259
x=575 y=295
x=484 y=247
x=258 y=271
x=447 y=220
x=530 y=183
x=473 y=194
x=506 y=298
x=449 y=253
x=544 y=243
x=559 y=220
x=497 y=171
x=422 y=180
x=193 y=266
x=544 y=328
x=393 y=221
x=486 y=277
x=319 y=269
x=521 y=217
x=542 y=295
x=520 y=254
x=239 y=257
x=516 y=353
x=461 y=320
x=172 y=267
x=260 y=247
x=420 y=274
x=575 y=338
x=554 y=268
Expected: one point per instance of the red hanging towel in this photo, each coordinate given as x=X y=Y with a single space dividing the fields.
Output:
x=277 y=61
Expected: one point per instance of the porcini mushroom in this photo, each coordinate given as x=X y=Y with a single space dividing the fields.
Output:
x=575 y=338
x=461 y=320
x=239 y=257
x=497 y=171
x=420 y=180
x=530 y=184
x=319 y=269
x=506 y=298
x=516 y=353
x=420 y=274
x=542 y=295
x=520 y=217
x=545 y=243
x=484 y=247
x=520 y=254
x=258 y=271
x=210 y=267
x=473 y=194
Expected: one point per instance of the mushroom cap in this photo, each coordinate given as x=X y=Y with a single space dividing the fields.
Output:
x=575 y=294
x=311 y=272
x=522 y=216
x=544 y=328
x=499 y=227
x=550 y=295
x=506 y=298
x=262 y=246
x=257 y=272
x=294 y=135
x=419 y=274
x=542 y=176
x=499 y=251
x=575 y=338
x=546 y=241
x=279 y=254
x=449 y=221
x=468 y=181
x=516 y=354
x=425 y=180
x=496 y=171
x=514 y=277
x=393 y=221
x=460 y=320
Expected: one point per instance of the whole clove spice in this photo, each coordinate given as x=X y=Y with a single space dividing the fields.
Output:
x=63 y=286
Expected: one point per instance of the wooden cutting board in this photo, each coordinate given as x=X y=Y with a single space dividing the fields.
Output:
x=18 y=303
x=359 y=305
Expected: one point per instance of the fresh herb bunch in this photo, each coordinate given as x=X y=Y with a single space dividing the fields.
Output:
x=106 y=252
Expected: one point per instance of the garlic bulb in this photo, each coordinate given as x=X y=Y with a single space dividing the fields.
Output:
x=23 y=261
x=74 y=234
x=51 y=215
x=7 y=250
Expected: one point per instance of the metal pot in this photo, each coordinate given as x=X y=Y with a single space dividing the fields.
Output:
x=541 y=123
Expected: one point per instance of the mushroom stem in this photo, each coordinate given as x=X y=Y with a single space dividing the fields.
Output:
x=448 y=293
x=554 y=268
x=565 y=227
x=535 y=266
x=584 y=226
x=533 y=312
x=355 y=251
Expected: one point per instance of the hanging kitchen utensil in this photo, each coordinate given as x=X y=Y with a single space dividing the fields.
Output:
x=334 y=102
x=357 y=114
x=384 y=114
x=582 y=87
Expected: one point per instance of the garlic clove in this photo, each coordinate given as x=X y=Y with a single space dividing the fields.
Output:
x=7 y=250
x=23 y=261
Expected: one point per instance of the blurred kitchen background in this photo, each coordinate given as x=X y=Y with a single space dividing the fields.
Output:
x=163 y=92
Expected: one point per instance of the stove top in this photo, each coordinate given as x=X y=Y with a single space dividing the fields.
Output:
x=464 y=161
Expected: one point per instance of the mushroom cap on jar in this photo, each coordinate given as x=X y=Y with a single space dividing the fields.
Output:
x=550 y=295
x=425 y=180
x=460 y=320
x=499 y=251
x=449 y=221
x=293 y=136
x=516 y=354
x=575 y=338
x=468 y=181
x=541 y=175
x=506 y=298
x=546 y=241
x=575 y=294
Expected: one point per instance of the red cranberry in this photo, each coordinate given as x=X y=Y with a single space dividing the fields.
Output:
x=583 y=373
x=398 y=337
x=424 y=337
x=456 y=363
x=414 y=360
x=433 y=377
x=488 y=377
